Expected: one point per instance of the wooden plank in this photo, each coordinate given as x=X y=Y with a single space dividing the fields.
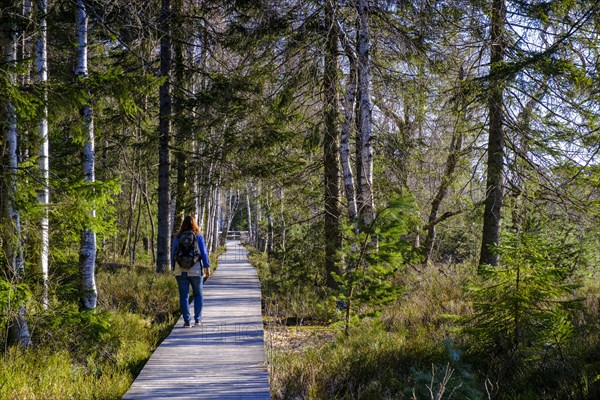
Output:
x=223 y=358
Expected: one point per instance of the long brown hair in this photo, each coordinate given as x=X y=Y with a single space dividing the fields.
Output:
x=189 y=224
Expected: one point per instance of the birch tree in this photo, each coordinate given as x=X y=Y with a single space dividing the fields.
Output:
x=44 y=163
x=346 y=163
x=164 y=132
x=249 y=216
x=87 y=251
x=365 y=167
x=18 y=330
x=13 y=241
x=214 y=219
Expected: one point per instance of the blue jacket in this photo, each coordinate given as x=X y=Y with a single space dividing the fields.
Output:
x=201 y=245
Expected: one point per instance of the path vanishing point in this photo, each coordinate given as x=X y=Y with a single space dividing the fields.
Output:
x=224 y=358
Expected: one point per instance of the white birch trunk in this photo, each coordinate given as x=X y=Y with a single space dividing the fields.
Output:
x=215 y=222
x=196 y=187
x=202 y=214
x=18 y=330
x=25 y=42
x=163 y=245
x=249 y=216
x=345 y=143
x=44 y=163
x=209 y=220
x=14 y=243
x=271 y=234
x=229 y=213
x=364 y=80
x=87 y=251
x=257 y=219
x=225 y=213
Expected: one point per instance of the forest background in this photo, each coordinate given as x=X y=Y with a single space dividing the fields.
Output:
x=419 y=180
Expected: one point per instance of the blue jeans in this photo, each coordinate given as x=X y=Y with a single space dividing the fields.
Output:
x=183 y=282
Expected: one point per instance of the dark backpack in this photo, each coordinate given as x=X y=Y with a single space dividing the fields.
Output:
x=188 y=251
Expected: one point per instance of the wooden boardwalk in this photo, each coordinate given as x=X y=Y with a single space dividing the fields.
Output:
x=224 y=358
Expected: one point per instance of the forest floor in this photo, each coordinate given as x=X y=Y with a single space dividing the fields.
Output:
x=297 y=338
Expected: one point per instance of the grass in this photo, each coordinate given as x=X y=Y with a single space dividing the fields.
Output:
x=413 y=349
x=386 y=357
x=94 y=354
x=40 y=374
x=371 y=363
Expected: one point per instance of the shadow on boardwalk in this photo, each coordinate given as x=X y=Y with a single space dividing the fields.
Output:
x=222 y=359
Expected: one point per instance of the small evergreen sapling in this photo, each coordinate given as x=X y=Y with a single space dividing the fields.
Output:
x=367 y=282
x=522 y=309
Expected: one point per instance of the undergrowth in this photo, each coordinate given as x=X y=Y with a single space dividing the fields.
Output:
x=423 y=345
x=403 y=353
x=91 y=354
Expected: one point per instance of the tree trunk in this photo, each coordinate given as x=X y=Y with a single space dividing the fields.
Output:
x=180 y=134
x=270 y=234
x=163 y=245
x=133 y=200
x=24 y=45
x=204 y=212
x=257 y=217
x=87 y=251
x=367 y=211
x=195 y=178
x=44 y=157
x=225 y=212
x=209 y=218
x=215 y=222
x=283 y=246
x=136 y=235
x=249 y=216
x=349 y=102
x=13 y=240
x=229 y=212
x=350 y=110
x=358 y=140
x=331 y=161
x=18 y=330
x=144 y=190
x=495 y=163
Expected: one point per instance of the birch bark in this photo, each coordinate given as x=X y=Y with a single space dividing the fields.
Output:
x=164 y=132
x=44 y=163
x=215 y=222
x=367 y=212
x=348 y=175
x=9 y=184
x=18 y=330
x=87 y=251
x=347 y=124
x=249 y=216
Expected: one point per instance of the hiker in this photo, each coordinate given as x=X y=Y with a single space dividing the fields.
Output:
x=189 y=262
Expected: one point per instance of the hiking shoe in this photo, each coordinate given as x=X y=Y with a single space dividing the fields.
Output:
x=186 y=325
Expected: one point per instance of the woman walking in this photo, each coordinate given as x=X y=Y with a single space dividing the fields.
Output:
x=189 y=261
